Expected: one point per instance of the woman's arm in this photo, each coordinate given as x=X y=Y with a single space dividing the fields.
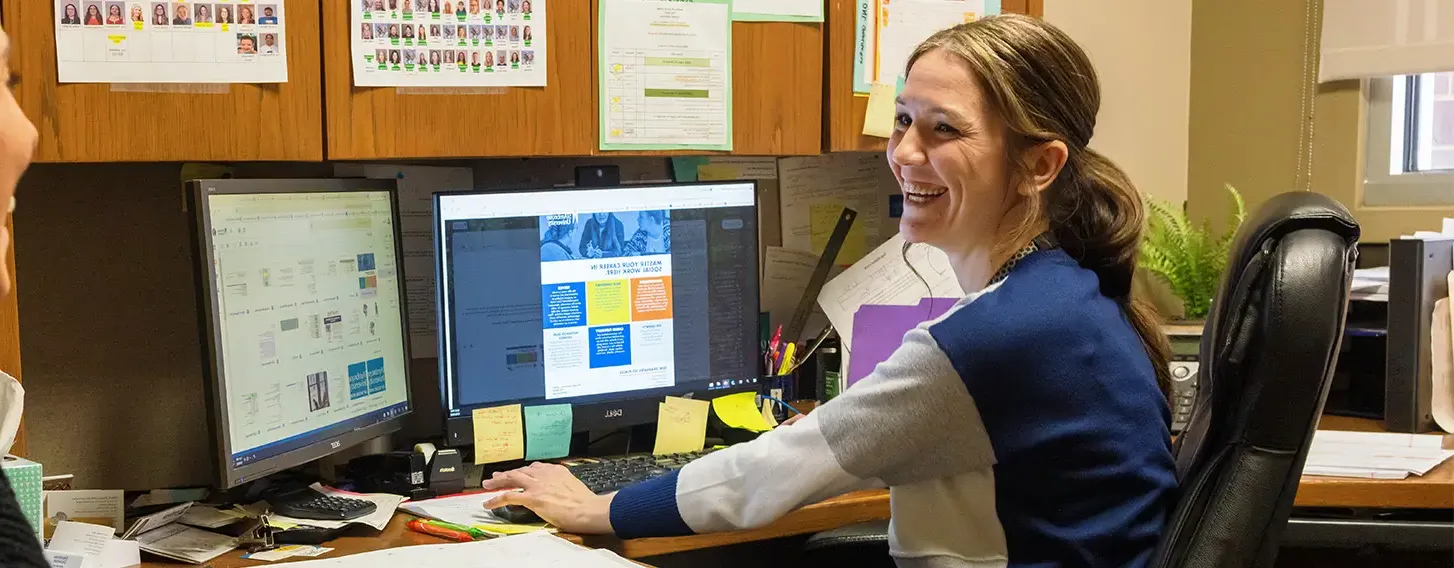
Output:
x=910 y=420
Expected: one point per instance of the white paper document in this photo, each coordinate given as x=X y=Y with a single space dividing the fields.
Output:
x=465 y=510
x=98 y=507
x=815 y=189
x=531 y=550
x=429 y=43
x=81 y=537
x=1377 y=455
x=895 y=28
x=156 y=520
x=417 y=186
x=777 y=10
x=666 y=74
x=63 y=559
x=170 y=42
x=121 y=554
x=883 y=277
x=385 y=505
x=785 y=275
x=181 y=542
x=206 y=517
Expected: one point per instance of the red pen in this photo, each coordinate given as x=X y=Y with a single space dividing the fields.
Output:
x=420 y=526
x=777 y=337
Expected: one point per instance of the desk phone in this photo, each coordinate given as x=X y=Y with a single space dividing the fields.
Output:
x=1185 y=363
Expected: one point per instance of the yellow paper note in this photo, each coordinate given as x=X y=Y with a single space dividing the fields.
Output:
x=719 y=172
x=740 y=411
x=681 y=426
x=767 y=415
x=499 y=434
x=823 y=219
x=878 y=120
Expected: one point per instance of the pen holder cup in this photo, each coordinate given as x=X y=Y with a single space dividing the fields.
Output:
x=782 y=388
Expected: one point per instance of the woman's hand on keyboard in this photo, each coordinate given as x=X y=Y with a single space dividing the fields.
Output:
x=555 y=495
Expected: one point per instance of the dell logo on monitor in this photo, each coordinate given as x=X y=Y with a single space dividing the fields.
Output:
x=613 y=413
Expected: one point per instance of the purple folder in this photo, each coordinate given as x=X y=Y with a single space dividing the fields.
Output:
x=879 y=329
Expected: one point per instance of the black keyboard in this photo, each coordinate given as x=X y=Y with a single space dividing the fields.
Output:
x=308 y=503
x=604 y=475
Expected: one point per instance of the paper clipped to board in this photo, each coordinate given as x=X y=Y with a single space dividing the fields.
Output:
x=415 y=43
x=681 y=426
x=777 y=10
x=499 y=434
x=884 y=277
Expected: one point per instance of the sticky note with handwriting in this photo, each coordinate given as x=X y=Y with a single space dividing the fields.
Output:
x=498 y=434
x=719 y=172
x=823 y=218
x=681 y=426
x=547 y=431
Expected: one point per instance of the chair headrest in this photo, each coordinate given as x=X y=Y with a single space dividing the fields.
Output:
x=1289 y=212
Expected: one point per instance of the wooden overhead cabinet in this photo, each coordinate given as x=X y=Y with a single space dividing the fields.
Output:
x=366 y=123
x=91 y=122
x=845 y=109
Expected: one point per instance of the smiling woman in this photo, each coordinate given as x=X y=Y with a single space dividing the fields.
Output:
x=1027 y=426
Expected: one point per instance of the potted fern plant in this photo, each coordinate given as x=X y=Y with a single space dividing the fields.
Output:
x=1187 y=256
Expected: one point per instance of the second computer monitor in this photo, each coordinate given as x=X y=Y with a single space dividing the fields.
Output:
x=603 y=298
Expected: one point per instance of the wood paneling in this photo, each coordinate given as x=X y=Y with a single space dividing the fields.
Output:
x=777 y=91
x=846 y=109
x=90 y=123
x=556 y=120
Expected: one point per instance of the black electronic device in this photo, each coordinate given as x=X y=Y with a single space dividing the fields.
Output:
x=305 y=345
x=447 y=472
x=309 y=503
x=399 y=473
x=1185 y=372
x=615 y=297
x=598 y=176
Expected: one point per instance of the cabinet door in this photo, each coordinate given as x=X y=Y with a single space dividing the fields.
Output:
x=366 y=123
x=845 y=108
x=81 y=122
x=777 y=90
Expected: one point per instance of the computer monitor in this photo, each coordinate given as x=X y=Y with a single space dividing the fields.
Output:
x=303 y=319
x=604 y=298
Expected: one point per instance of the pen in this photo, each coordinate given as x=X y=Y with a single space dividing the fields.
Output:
x=787 y=364
x=420 y=526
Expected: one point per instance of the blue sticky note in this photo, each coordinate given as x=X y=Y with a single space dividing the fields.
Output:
x=684 y=168
x=899 y=89
x=547 y=431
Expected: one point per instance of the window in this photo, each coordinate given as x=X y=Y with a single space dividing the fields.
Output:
x=1410 y=151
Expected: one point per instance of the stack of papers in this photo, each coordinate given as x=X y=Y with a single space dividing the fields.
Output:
x=84 y=545
x=523 y=551
x=1376 y=455
x=1370 y=284
x=468 y=510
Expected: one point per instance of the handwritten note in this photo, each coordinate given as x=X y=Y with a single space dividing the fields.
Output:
x=822 y=222
x=498 y=434
x=681 y=426
x=547 y=431
x=878 y=119
x=740 y=411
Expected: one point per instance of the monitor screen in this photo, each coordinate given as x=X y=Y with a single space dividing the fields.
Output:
x=582 y=295
x=307 y=324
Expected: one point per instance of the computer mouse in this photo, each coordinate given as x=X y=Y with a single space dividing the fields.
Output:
x=516 y=514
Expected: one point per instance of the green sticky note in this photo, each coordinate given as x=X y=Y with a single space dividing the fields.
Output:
x=547 y=431
x=899 y=90
x=684 y=168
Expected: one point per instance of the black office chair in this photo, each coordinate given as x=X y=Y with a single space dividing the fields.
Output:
x=1267 y=355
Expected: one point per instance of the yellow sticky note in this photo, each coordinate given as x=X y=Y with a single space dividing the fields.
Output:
x=499 y=434
x=740 y=411
x=681 y=426
x=878 y=120
x=968 y=17
x=138 y=25
x=767 y=413
x=719 y=172
x=823 y=218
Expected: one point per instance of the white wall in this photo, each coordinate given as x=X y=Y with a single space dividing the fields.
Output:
x=1142 y=53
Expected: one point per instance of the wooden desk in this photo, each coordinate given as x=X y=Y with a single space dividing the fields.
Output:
x=1432 y=491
